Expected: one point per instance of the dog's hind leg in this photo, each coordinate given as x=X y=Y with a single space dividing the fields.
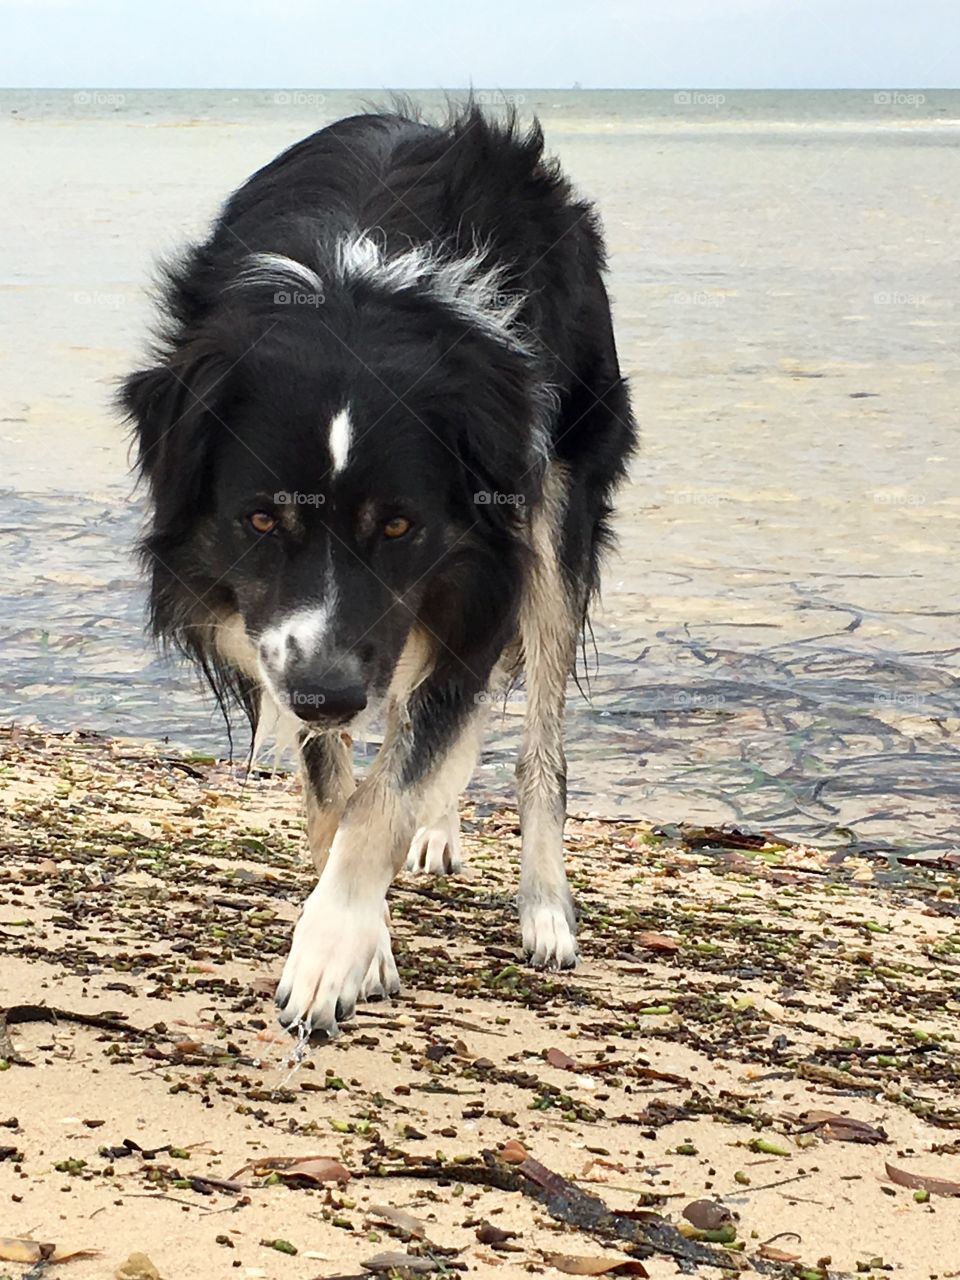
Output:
x=549 y=626
x=327 y=784
x=435 y=847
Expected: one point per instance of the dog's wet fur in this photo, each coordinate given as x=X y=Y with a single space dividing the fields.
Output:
x=381 y=428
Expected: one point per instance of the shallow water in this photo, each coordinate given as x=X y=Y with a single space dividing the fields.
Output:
x=778 y=640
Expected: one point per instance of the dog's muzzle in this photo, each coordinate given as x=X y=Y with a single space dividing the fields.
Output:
x=325 y=693
x=321 y=687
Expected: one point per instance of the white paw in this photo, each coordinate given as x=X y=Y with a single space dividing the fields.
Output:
x=549 y=931
x=435 y=851
x=337 y=946
x=382 y=979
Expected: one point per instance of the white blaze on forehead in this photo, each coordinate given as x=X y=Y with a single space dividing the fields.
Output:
x=341 y=430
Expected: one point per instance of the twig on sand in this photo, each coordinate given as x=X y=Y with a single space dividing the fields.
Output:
x=767 y=1186
x=18 y=1013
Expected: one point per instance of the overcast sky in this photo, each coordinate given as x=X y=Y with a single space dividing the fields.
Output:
x=381 y=44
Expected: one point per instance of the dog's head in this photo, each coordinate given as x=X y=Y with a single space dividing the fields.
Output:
x=323 y=476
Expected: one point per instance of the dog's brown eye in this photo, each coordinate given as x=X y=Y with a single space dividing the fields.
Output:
x=263 y=522
x=396 y=527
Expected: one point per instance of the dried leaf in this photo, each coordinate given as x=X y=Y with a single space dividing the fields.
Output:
x=667 y=1077
x=13 y=1250
x=405 y=1222
x=842 y=1128
x=557 y=1058
x=409 y=1263
x=651 y=941
x=920 y=1182
x=707 y=1215
x=573 y=1266
x=312 y=1168
x=772 y=1254
x=599 y=1170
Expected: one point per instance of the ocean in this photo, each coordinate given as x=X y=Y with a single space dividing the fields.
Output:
x=777 y=643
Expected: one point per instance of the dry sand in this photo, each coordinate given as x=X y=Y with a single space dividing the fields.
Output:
x=763 y=984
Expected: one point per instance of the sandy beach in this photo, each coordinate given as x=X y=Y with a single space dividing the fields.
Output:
x=760 y=1028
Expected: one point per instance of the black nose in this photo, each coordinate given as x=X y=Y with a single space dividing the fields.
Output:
x=335 y=698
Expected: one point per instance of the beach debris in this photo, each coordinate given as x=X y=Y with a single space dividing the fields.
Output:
x=281 y=1246
x=315 y=1169
x=14 y=1249
x=921 y=1182
x=184 y=920
x=409 y=1263
x=8 y=1051
x=772 y=1254
x=763 y=1147
x=841 y=1128
x=650 y=1233
x=513 y=1152
x=652 y=941
x=496 y=1237
x=557 y=1058
x=722 y=837
x=574 y=1266
x=707 y=1215
x=398 y=1220
x=20 y=1013
x=137 y=1267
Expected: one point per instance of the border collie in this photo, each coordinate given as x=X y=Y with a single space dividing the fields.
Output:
x=381 y=429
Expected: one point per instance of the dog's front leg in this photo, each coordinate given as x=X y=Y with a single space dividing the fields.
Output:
x=327 y=764
x=342 y=935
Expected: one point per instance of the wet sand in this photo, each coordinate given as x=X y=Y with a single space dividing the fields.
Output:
x=777 y=640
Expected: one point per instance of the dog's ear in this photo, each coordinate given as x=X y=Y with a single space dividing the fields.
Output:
x=175 y=408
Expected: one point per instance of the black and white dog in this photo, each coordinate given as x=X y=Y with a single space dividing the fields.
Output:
x=381 y=430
